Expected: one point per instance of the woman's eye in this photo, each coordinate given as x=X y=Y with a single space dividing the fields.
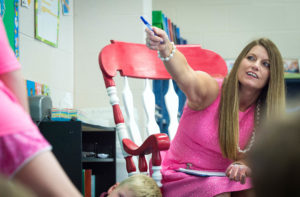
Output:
x=266 y=64
x=250 y=57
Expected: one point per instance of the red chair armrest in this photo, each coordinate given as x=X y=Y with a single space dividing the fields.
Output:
x=153 y=144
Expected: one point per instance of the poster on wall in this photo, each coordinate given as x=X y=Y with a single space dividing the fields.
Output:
x=47 y=21
x=65 y=4
x=25 y=3
x=291 y=68
x=9 y=10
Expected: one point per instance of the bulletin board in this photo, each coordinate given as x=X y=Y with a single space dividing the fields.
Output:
x=47 y=21
x=9 y=10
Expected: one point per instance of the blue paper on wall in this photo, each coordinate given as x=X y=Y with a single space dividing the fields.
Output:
x=30 y=85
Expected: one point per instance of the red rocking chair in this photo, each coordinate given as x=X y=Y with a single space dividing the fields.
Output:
x=137 y=61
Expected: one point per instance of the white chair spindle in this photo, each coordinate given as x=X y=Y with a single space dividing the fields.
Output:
x=157 y=176
x=172 y=103
x=129 y=108
x=149 y=106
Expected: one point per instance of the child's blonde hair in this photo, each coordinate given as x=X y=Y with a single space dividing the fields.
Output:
x=142 y=186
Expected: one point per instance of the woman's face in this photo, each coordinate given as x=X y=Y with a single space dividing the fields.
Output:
x=254 y=70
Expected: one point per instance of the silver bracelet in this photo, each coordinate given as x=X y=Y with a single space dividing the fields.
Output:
x=171 y=54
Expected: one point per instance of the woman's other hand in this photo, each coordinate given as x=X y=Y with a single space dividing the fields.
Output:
x=238 y=171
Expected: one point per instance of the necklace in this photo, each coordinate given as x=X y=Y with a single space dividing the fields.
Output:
x=253 y=132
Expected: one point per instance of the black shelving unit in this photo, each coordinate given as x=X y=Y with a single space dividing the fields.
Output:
x=70 y=138
x=65 y=138
x=292 y=94
x=98 y=140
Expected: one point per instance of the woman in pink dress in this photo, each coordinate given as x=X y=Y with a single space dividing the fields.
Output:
x=25 y=155
x=217 y=128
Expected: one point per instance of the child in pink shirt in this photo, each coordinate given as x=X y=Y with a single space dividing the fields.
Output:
x=25 y=155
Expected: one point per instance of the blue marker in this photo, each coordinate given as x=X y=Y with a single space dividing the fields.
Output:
x=149 y=26
x=146 y=23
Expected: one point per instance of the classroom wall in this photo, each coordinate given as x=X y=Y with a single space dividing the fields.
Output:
x=45 y=64
x=226 y=26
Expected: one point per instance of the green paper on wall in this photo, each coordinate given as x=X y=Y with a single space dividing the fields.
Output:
x=8 y=20
x=11 y=23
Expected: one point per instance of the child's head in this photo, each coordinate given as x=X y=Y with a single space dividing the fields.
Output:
x=137 y=186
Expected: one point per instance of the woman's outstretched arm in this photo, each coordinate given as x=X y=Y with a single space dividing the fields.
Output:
x=200 y=88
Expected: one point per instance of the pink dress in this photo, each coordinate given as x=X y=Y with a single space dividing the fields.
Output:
x=196 y=142
x=20 y=139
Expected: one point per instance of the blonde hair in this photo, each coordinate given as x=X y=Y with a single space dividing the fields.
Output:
x=272 y=97
x=142 y=186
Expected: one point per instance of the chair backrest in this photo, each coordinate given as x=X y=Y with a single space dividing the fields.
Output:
x=137 y=61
